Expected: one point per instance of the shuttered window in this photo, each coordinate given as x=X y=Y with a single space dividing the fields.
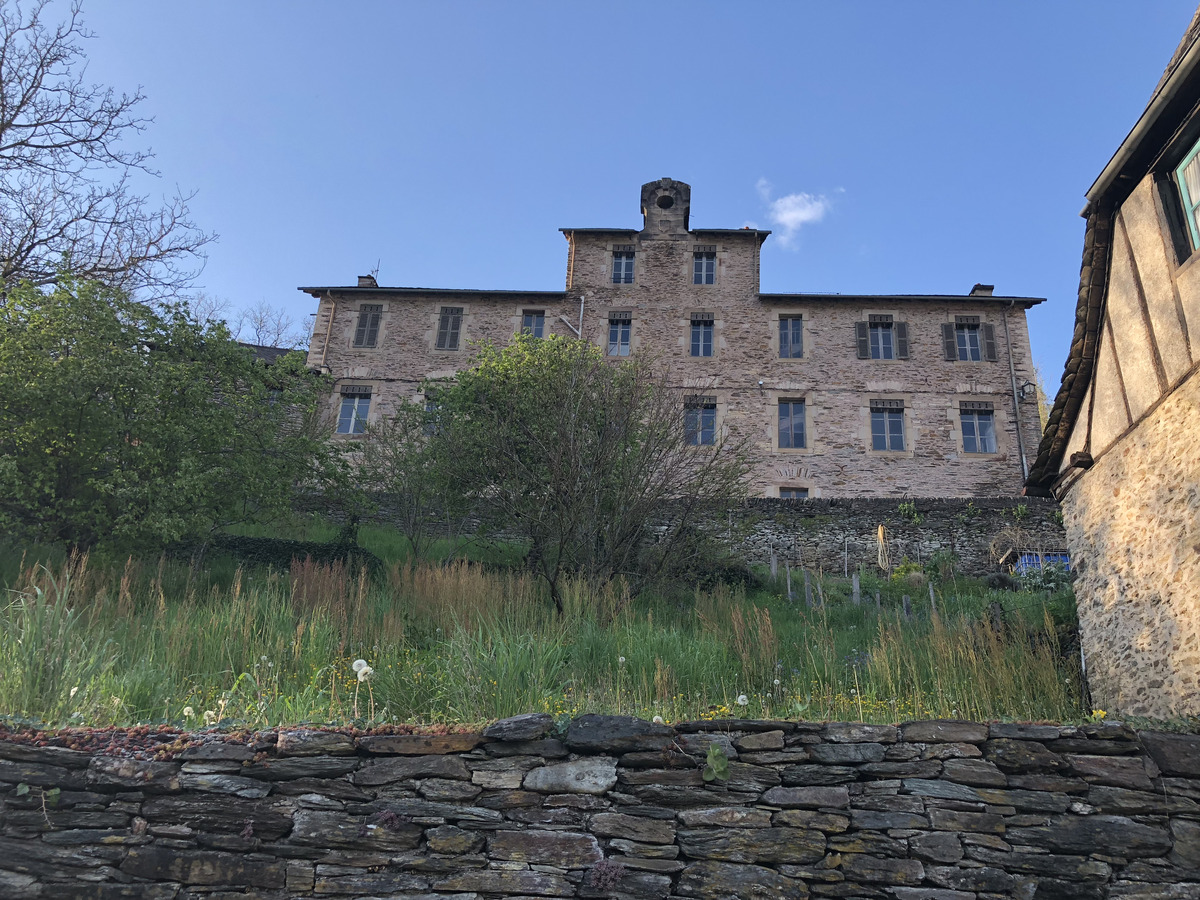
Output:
x=449 y=327
x=968 y=340
x=881 y=338
x=367 y=331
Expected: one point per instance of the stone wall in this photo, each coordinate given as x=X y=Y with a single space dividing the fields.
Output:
x=835 y=536
x=611 y=807
x=1133 y=523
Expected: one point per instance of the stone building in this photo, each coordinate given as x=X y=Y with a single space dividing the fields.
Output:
x=840 y=395
x=1121 y=448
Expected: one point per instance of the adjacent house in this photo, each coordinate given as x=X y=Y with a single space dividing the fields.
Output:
x=839 y=395
x=1121 y=448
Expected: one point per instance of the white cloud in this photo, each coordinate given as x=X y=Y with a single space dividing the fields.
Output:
x=792 y=211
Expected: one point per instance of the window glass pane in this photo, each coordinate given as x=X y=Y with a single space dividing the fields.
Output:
x=793 y=493
x=885 y=342
x=970 y=445
x=708 y=429
x=895 y=429
x=345 y=415
x=878 y=430
x=702 y=338
x=791 y=337
x=987 y=433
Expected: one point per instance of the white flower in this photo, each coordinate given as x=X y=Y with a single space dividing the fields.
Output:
x=365 y=672
x=210 y=717
x=776 y=682
x=621 y=660
x=270 y=665
x=657 y=720
x=188 y=712
x=743 y=700
x=74 y=691
x=263 y=657
x=358 y=665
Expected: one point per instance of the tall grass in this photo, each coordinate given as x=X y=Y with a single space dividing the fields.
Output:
x=154 y=641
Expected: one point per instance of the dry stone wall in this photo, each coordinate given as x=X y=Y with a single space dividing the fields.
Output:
x=612 y=807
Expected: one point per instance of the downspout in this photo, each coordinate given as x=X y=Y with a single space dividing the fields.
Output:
x=1012 y=377
x=328 y=328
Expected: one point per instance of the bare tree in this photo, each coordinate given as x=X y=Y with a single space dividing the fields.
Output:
x=67 y=195
x=267 y=326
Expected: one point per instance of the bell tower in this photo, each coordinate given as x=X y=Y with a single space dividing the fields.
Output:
x=666 y=206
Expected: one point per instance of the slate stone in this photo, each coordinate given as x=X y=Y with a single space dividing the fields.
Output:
x=943 y=730
x=647 y=851
x=1094 y=747
x=761 y=740
x=1055 y=889
x=1054 y=783
x=41 y=774
x=593 y=775
x=547 y=748
x=617 y=734
x=692 y=777
x=807 y=818
x=39 y=820
x=137 y=774
x=752 y=779
x=1112 y=835
x=986 y=879
x=218 y=813
x=1122 y=800
x=389 y=771
x=871 y=819
x=447 y=789
x=1032 y=801
x=224 y=784
x=794 y=776
x=429 y=809
x=752 y=845
x=1175 y=754
x=658 y=759
x=727 y=817
x=857 y=733
x=1132 y=891
x=216 y=750
x=1186 y=835
x=950 y=750
x=309 y=742
x=807 y=797
x=110 y=891
x=634 y=828
x=861 y=867
x=295 y=767
x=1077 y=868
x=847 y=754
x=961 y=820
x=508 y=883
x=1021 y=732
x=1118 y=771
x=721 y=881
x=924 y=893
x=514 y=799
x=318 y=828
x=559 y=848
x=698 y=744
x=873 y=843
x=633 y=885
x=1022 y=756
x=733 y=725
x=46 y=756
x=527 y=727
x=937 y=847
x=450 y=839
x=925 y=768
x=974 y=771
x=201 y=867
x=338 y=788
x=344 y=880
x=944 y=790
x=419 y=744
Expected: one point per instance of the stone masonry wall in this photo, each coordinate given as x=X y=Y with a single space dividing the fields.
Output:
x=836 y=536
x=1133 y=525
x=612 y=807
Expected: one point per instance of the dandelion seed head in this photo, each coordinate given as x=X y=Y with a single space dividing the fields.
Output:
x=657 y=720
x=358 y=665
x=743 y=700
x=621 y=660
x=188 y=712
x=365 y=672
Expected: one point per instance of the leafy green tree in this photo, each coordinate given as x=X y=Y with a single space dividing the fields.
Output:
x=136 y=426
x=588 y=459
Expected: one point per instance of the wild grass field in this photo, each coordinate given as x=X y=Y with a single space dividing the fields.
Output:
x=102 y=642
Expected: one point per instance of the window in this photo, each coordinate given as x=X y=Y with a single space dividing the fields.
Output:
x=533 y=322
x=367 y=331
x=791 y=424
x=791 y=337
x=966 y=340
x=1187 y=177
x=622 y=272
x=978 y=427
x=887 y=425
x=700 y=421
x=449 y=327
x=1035 y=560
x=793 y=493
x=704 y=266
x=356 y=403
x=619 y=326
x=882 y=338
x=702 y=334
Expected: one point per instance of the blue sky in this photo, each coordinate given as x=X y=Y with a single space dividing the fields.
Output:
x=914 y=147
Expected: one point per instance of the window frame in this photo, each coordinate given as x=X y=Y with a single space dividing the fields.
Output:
x=1190 y=205
x=791 y=403
x=445 y=330
x=973 y=411
x=704 y=266
x=623 y=257
x=887 y=413
x=786 y=336
x=354 y=410
x=700 y=421
x=366 y=330
x=536 y=327
x=703 y=335
x=620 y=325
x=807 y=492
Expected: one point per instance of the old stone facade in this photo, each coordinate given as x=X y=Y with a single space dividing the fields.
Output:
x=1120 y=449
x=838 y=395
x=610 y=807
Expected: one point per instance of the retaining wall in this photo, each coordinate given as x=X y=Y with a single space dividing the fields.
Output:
x=612 y=807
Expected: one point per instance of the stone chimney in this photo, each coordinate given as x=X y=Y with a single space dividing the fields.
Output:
x=982 y=290
x=367 y=281
x=666 y=207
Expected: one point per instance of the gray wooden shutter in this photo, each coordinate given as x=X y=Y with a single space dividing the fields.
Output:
x=901 y=340
x=949 y=341
x=862 y=332
x=989 y=342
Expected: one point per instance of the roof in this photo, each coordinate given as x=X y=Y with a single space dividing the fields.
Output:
x=266 y=354
x=757 y=231
x=1171 y=105
x=442 y=292
x=1025 y=302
